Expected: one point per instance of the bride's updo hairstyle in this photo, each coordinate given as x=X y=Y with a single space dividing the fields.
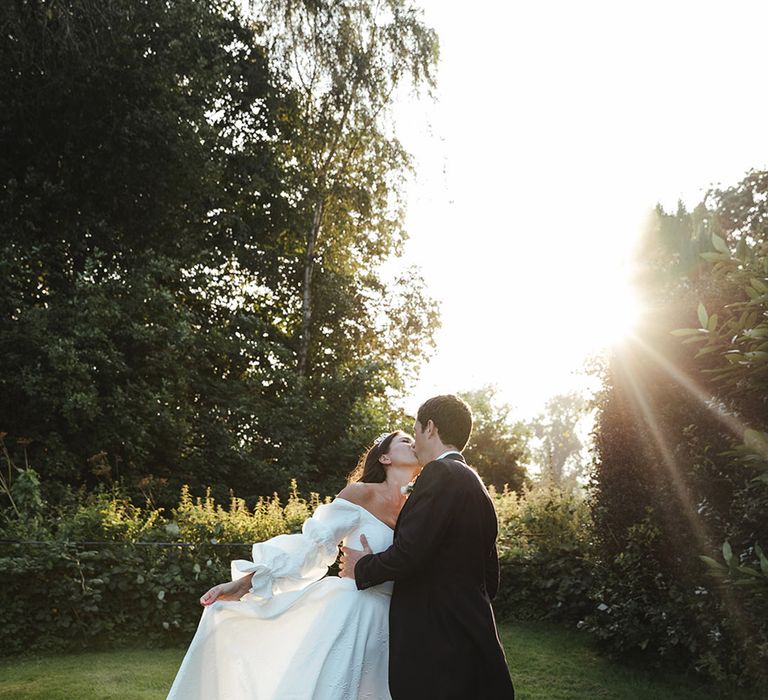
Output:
x=369 y=470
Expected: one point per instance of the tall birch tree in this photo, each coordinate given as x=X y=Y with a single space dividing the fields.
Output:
x=346 y=60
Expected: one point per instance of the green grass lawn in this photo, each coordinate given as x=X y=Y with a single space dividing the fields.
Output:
x=129 y=675
x=551 y=663
x=547 y=662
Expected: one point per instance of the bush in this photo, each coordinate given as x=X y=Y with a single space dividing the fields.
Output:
x=98 y=570
x=102 y=571
x=640 y=607
x=544 y=555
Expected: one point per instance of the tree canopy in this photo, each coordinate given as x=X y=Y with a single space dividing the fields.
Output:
x=498 y=447
x=156 y=195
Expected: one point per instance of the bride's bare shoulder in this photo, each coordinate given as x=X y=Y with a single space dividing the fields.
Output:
x=358 y=493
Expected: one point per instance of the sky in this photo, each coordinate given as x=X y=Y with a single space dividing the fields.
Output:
x=557 y=127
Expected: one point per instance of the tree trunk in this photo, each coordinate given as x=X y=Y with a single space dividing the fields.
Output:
x=306 y=301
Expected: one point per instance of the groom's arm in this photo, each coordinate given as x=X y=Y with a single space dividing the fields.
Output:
x=422 y=523
x=492 y=573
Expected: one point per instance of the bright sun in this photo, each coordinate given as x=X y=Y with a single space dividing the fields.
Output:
x=533 y=340
x=527 y=201
x=612 y=315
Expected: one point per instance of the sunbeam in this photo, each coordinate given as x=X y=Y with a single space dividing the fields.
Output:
x=681 y=490
x=728 y=420
x=704 y=539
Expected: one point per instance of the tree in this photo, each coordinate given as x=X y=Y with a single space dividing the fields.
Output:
x=732 y=341
x=670 y=480
x=346 y=60
x=560 y=449
x=149 y=299
x=497 y=448
x=119 y=219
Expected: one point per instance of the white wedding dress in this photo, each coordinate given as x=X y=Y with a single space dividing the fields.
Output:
x=296 y=635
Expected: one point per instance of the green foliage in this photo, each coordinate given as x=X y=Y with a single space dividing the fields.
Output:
x=544 y=537
x=201 y=520
x=674 y=476
x=734 y=334
x=346 y=60
x=737 y=574
x=732 y=355
x=641 y=606
x=497 y=447
x=132 y=584
x=152 y=256
x=145 y=568
x=112 y=340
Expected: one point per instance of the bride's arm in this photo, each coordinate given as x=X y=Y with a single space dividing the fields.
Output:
x=291 y=562
x=232 y=590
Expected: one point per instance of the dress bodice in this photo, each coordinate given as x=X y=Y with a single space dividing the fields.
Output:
x=378 y=534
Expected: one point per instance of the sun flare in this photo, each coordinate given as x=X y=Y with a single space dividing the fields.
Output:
x=615 y=315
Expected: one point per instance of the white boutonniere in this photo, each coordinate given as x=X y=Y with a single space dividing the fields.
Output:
x=405 y=490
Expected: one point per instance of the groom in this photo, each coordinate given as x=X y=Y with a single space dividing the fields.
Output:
x=443 y=640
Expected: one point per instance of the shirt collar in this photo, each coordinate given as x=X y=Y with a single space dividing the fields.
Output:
x=449 y=452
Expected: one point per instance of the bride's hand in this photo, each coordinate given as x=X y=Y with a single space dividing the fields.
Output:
x=234 y=590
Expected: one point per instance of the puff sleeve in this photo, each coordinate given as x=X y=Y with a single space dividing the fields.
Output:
x=291 y=562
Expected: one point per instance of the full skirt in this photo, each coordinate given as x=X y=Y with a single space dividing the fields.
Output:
x=328 y=641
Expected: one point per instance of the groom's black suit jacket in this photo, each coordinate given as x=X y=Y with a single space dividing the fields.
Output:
x=443 y=639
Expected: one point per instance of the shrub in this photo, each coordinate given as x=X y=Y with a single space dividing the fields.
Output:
x=639 y=606
x=543 y=550
x=100 y=570
x=103 y=571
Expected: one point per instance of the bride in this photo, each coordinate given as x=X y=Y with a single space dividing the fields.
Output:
x=279 y=630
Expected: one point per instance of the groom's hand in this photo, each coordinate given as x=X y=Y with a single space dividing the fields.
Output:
x=350 y=557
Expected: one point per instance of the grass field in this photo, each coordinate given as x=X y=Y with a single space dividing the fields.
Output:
x=551 y=663
x=547 y=663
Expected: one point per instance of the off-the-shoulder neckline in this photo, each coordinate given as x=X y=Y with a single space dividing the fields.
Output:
x=357 y=505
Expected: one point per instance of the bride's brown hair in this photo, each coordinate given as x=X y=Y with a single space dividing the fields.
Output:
x=369 y=470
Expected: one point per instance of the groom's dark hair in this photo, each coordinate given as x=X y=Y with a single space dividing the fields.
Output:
x=452 y=418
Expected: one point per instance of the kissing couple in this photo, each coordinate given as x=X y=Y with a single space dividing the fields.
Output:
x=409 y=617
